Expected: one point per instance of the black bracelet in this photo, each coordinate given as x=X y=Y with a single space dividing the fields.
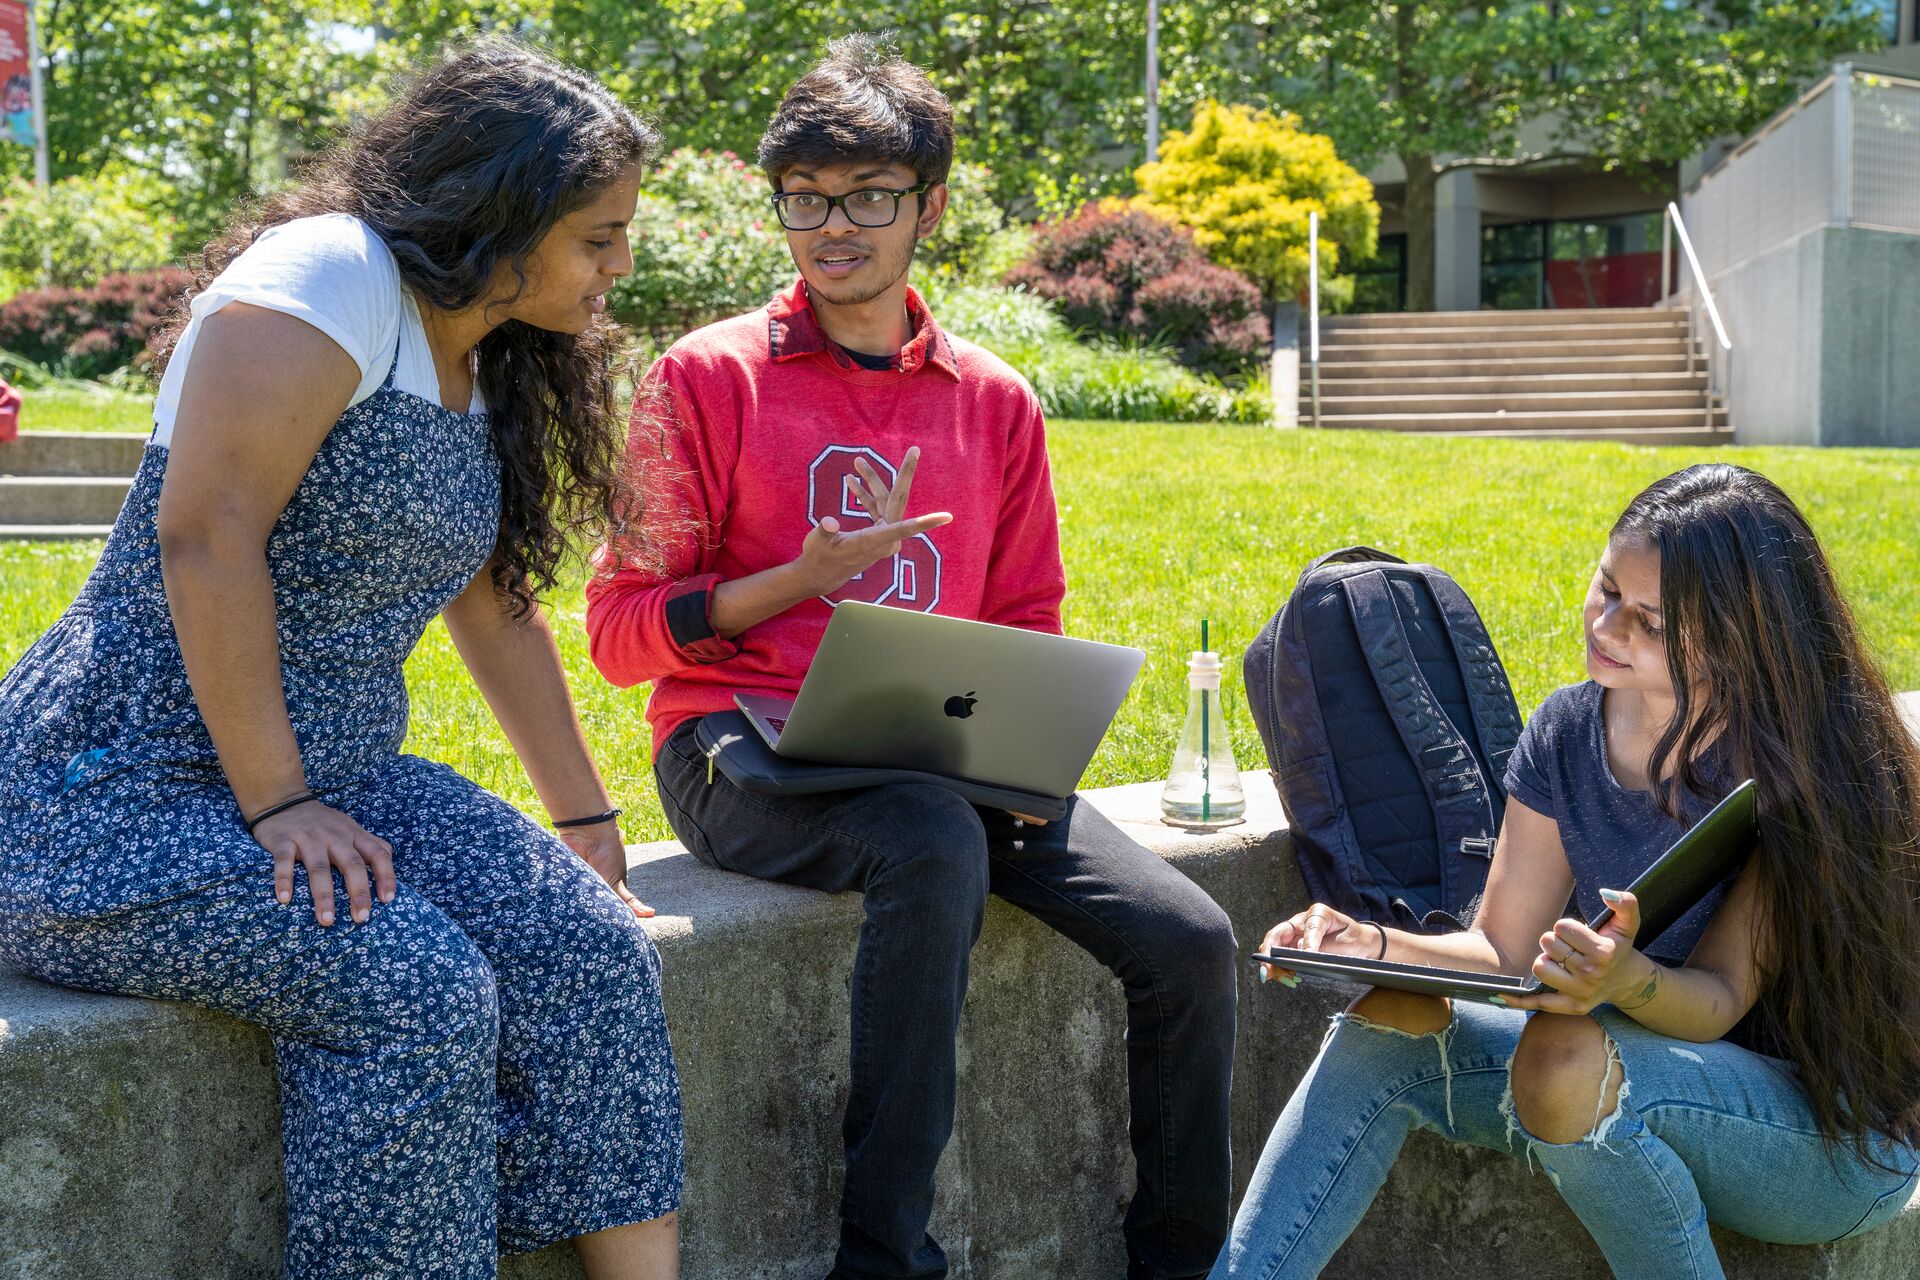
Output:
x=1383 y=938
x=594 y=821
x=282 y=807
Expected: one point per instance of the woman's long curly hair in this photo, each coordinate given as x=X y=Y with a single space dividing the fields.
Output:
x=1766 y=657
x=463 y=174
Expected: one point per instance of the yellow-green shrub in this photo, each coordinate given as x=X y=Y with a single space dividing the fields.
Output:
x=1245 y=181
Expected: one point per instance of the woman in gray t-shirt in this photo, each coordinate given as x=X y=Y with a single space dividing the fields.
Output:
x=1758 y=1064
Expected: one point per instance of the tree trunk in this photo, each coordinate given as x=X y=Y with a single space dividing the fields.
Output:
x=1417 y=210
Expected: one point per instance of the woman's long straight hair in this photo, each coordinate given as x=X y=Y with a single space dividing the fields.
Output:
x=463 y=173
x=1767 y=659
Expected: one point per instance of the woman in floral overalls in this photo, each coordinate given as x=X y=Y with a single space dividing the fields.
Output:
x=390 y=400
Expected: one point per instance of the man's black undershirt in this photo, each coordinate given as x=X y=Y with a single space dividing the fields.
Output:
x=878 y=364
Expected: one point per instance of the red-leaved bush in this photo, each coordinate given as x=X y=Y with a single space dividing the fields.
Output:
x=1115 y=269
x=84 y=333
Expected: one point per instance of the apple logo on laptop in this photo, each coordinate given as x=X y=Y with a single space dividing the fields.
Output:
x=959 y=706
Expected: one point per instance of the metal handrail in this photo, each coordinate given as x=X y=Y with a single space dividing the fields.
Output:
x=1693 y=262
x=1313 y=309
x=1675 y=223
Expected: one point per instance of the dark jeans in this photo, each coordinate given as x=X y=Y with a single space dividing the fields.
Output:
x=925 y=860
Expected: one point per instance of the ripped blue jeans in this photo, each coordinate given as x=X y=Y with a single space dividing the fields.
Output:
x=1702 y=1133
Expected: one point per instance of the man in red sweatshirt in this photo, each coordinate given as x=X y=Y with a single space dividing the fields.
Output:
x=779 y=450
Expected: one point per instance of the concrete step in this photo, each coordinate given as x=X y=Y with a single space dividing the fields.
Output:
x=61 y=500
x=52 y=532
x=1429 y=364
x=1495 y=319
x=1545 y=349
x=1511 y=402
x=72 y=453
x=1557 y=330
x=1606 y=420
x=1347 y=380
x=1699 y=437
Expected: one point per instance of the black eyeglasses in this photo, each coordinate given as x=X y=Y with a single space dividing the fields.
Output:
x=867 y=207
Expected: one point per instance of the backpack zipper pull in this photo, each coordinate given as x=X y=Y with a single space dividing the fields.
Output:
x=1481 y=845
x=713 y=752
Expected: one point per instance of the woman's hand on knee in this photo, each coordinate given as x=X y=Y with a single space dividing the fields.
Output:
x=1321 y=928
x=323 y=840
x=601 y=848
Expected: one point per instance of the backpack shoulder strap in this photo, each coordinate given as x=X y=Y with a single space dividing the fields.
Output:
x=1449 y=773
x=1496 y=716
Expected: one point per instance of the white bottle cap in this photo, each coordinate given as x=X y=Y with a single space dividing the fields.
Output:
x=1203 y=670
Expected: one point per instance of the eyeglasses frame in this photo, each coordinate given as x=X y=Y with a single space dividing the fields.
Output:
x=840 y=202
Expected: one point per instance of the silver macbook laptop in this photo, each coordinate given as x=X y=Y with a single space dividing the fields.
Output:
x=997 y=705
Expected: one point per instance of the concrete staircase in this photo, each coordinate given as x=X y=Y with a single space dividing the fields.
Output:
x=1625 y=375
x=56 y=484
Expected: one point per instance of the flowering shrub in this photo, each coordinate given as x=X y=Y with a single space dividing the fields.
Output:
x=706 y=245
x=90 y=332
x=1118 y=269
x=1102 y=378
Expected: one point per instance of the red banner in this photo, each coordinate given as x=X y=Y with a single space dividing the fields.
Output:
x=16 y=76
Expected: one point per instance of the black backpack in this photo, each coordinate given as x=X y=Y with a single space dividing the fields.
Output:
x=1388 y=721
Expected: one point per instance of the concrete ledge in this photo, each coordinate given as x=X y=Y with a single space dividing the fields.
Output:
x=73 y=453
x=141 y=1139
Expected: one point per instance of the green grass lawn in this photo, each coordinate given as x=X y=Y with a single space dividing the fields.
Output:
x=1165 y=524
x=77 y=409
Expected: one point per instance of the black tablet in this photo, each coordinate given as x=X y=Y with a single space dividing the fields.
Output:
x=1711 y=850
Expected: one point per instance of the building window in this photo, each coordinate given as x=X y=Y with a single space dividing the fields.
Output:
x=1513 y=267
x=1572 y=265
x=1891 y=14
x=1380 y=282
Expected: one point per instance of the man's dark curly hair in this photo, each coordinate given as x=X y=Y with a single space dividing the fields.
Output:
x=863 y=102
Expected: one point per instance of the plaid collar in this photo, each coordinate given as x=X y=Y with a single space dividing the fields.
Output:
x=794 y=331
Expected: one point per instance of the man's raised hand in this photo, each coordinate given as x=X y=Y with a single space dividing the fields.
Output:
x=831 y=557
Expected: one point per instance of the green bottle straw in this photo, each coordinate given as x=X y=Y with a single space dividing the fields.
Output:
x=1206 y=752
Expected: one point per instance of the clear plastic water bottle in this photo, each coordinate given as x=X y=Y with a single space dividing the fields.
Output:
x=1203 y=786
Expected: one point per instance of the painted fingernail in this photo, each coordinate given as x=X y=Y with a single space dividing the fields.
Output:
x=1610 y=895
x=1265 y=976
x=1497 y=1000
x=1290 y=983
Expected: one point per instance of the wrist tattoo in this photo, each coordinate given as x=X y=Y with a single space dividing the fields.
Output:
x=1646 y=993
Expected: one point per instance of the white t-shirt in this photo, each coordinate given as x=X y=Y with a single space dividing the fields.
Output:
x=334 y=273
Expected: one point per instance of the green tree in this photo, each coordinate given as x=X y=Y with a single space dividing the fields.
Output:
x=212 y=98
x=1440 y=86
x=1246 y=182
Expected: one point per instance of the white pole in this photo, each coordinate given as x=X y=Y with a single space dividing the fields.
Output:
x=1666 y=256
x=42 y=171
x=1153 y=80
x=1313 y=308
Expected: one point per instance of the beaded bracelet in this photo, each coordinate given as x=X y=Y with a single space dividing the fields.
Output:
x=282 y=807
x=594 y=821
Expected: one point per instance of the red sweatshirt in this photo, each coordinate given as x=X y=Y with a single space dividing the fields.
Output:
x=743 y=434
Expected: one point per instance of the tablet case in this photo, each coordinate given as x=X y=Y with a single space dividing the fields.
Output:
x=736 y=748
